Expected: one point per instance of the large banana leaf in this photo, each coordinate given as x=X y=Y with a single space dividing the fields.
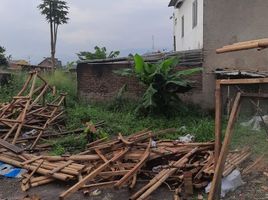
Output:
x=139 y=64
x=168 y=64
x=148 y=97
x=188 y=72
x=124 y=72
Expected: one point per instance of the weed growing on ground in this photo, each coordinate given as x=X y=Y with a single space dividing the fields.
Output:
x=13 y=86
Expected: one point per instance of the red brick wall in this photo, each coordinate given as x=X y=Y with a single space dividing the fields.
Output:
x=97 y=82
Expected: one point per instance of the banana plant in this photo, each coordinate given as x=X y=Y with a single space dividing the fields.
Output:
x=163 y=82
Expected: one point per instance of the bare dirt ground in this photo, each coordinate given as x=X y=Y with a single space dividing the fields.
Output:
x=10 y=190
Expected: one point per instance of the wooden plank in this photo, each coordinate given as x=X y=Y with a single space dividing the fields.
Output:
x=215 y=191
x=25 y=181
x=218 y=120
x=188 y=183
x=262 y=43
x=144 y=192
x=243 y=81
x=11 y=147
x=135 y=169
x=59 y=168
x=255 y=95
x=92 y=175
x=32 y=160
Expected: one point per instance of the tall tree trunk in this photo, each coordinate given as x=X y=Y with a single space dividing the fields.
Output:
x=52 y=39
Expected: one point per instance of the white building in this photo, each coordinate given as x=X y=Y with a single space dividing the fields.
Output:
x=209 y=24
x=188 y=24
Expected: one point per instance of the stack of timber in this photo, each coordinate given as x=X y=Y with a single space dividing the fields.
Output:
x=34 y=109
x=121 y=162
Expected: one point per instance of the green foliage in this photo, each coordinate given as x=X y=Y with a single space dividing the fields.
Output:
x=163 y=83
x=12 y=88
x=78 y=116
x=127 y=122
x=100 y=53
x=119 y=102
x=56 y=11
x=64 y=82
x=3 y=60
x=69 y=144
x=70 y=65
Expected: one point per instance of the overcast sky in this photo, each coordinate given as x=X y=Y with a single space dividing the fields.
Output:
x=125 y=25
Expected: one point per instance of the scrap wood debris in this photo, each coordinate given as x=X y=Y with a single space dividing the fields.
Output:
x=121 y=162
x=31 y=112
x=114 y=163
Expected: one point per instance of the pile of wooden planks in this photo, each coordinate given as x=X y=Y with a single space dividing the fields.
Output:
x=33 y=110
x=121 y=162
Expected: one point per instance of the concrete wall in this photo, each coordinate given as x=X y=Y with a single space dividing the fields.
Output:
x=226 y=22
x=193 y=37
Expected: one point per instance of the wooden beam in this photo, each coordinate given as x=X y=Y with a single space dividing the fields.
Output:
x=243 y=81
x=218 y=119
x=92 y=175
x=215 y=190
x=10 y=147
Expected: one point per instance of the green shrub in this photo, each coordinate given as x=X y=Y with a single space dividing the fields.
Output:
x=163 y=83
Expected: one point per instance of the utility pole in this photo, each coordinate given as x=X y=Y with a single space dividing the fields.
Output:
x=153 y=47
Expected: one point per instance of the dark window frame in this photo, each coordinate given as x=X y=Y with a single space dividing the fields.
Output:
x=182 y=26
x=195 y=13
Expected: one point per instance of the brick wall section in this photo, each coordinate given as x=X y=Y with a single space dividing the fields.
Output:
x=97 y=82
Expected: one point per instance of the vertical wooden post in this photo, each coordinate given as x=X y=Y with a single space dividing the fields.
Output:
x=215 y=189
x=218 y=119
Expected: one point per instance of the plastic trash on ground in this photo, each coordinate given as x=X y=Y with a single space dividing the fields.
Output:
x=187 y=138
x=255 y=122
x=229 y=183
x=10 y=171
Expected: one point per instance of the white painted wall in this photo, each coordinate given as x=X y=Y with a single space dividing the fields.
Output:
x=193 y=37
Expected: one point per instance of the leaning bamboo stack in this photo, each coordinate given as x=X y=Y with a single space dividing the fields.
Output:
x=31 y=111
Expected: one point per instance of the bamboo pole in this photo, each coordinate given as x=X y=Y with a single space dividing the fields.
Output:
x=218 y=119
x=215 y=190
x=42 y=171
x=92 y=175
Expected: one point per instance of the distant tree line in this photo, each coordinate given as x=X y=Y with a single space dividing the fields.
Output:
x=3 y=59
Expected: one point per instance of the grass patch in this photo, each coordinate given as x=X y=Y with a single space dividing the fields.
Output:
x=127 y=122
x=255 y=140
x=13 y=86
x=70 y=144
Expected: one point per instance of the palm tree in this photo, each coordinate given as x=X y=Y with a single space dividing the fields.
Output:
x=56 y=12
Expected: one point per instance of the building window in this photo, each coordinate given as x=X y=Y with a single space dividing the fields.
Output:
x=174 y=43
x=182 y=26
x=195 y=14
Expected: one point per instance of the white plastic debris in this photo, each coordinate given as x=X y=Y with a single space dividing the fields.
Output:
x=182 y=129
x=29 y=133
x=157 y=169
x=187 y=138
x=255 y=122
x=154 y=144
x=229 y=183
x=96 y=192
